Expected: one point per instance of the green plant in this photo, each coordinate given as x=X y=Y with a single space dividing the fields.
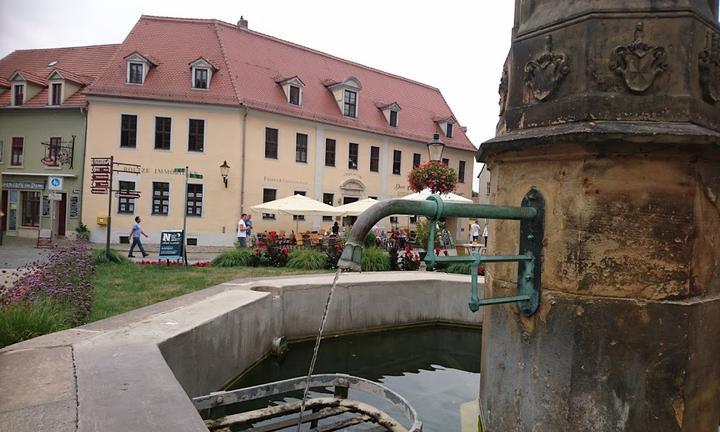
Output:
x=236 y=258
x=24 y=320
x=305 y=258
x=370 y=239
x=422 y=232
x=82 y=231
x=460 y=268
x=375 y=259
x=433 y=175
x=115 y=257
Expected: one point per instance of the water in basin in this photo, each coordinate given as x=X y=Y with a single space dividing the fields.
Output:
x=436 y=368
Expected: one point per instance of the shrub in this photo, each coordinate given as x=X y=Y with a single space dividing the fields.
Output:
x=375 y=259
x=82 y=231
x=236 y=258
x=114 y=257
x=65 y=276
x=333 y=254
x=463 y=268
x=394 y=259
x=25 y=320
x=370 y=239
x=409 y=260
x=308 y=259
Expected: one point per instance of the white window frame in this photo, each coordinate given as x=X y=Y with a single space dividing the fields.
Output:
x=50 y=92
x=357 y=102
x=209 y=77
x=14 y=102
x=397 y=118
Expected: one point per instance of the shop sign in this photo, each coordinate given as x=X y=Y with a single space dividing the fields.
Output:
x=171 y=244
x=74 y=211
x=31 y=185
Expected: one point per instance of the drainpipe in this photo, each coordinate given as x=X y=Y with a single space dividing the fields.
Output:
x=242 y=160
x=82 y=166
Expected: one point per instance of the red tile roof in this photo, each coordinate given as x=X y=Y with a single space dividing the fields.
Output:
x=78 y=64
x=250 y=63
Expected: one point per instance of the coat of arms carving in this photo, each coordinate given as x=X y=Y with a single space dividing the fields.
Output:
x=544 y=74
x=709 y=68
x=638 y=63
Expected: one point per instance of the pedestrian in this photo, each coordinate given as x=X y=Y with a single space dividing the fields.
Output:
x=485 y=234
x=242 y=231
x=475 y=231
x=248 y=228
x=336 y=228
x=135 y=234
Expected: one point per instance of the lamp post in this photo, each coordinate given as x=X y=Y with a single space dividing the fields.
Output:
x=435 y=148
x=224 y=171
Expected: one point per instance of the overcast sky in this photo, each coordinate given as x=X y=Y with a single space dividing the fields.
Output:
x=455 y=45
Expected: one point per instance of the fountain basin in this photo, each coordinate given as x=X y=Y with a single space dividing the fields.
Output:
x=139 y=370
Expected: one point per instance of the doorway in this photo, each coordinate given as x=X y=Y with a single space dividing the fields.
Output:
x=60 y=214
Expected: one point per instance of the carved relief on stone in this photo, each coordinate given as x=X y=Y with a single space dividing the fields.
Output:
x=638 y=63
x=544 y=74
x=709 y=68
x=503 y=89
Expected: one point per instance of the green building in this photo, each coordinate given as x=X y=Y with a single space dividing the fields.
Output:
x=43 y=114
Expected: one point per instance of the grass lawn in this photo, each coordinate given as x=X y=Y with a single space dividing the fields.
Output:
x=123 y=287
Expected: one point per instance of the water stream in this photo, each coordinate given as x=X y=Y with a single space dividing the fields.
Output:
x=317 y=347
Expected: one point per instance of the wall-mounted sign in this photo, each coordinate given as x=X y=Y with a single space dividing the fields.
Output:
x=171 y=244
x=74 y=210
x=54 y=196
x=55 y=183
x=128 y=194
x=31 y=185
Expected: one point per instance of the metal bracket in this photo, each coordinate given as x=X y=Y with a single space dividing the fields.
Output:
x=528 y=259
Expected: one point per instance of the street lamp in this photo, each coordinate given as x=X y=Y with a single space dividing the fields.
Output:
x=224 y=171
x=435 y=148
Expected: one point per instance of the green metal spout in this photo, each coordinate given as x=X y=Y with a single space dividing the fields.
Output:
x=433 y=207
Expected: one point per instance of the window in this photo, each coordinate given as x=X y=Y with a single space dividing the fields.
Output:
x=269 y=195
x=448 y=130
x=194 y=200
x=301 y=148
x=393 y=118
x=446 y=162
x=196 y=135
x=271 y=143
x=461 y=172
x=162 y=133
x=487 y=188
x=350 y=109
x=328 y=199
x=299 y=217
x=56 y=94
x=416 y=160
x=200 y=80
x=294 y=95
x=330 y=152
x=16 y=153
x=160 y=198
x=30 y=209
x=374 y=159
x=54 y=149
x=18 y=94
x=353 y=156
x=128 y=131
x=135 y=75
x=126 y=205
x=397 y=159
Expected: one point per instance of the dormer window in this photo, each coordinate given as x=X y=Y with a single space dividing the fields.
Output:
x=393 y=118
x=449 y=130
x=446 y=125
x=390 y=111
x=56 y=93
x=346 y=95
x=137 y=68
x=201 y=73
x=201 y=78
x=350 y=104
x=295 y=95
x=293 y=89
x=136 y=73
x=18 y=94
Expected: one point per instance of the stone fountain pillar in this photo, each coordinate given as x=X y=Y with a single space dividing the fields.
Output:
x=611 y=108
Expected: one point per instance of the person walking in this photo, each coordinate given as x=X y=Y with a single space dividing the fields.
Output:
x=242 y=231
x=135 y=234
x=475 y=231
x=485 y=234
x=248 y=230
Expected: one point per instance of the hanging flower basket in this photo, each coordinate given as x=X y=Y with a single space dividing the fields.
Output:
x=437 y=177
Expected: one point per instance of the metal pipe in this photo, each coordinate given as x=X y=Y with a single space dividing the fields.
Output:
x=433 y=207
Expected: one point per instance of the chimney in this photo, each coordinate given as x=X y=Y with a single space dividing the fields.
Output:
x=243 y=23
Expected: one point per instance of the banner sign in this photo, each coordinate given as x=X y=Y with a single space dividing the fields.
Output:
x=31 y=185
x=101 y=172
x=171 y=244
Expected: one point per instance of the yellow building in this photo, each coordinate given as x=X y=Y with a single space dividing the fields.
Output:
x=286 y=119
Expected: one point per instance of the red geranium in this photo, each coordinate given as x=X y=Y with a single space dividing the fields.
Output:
x=437 y=177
